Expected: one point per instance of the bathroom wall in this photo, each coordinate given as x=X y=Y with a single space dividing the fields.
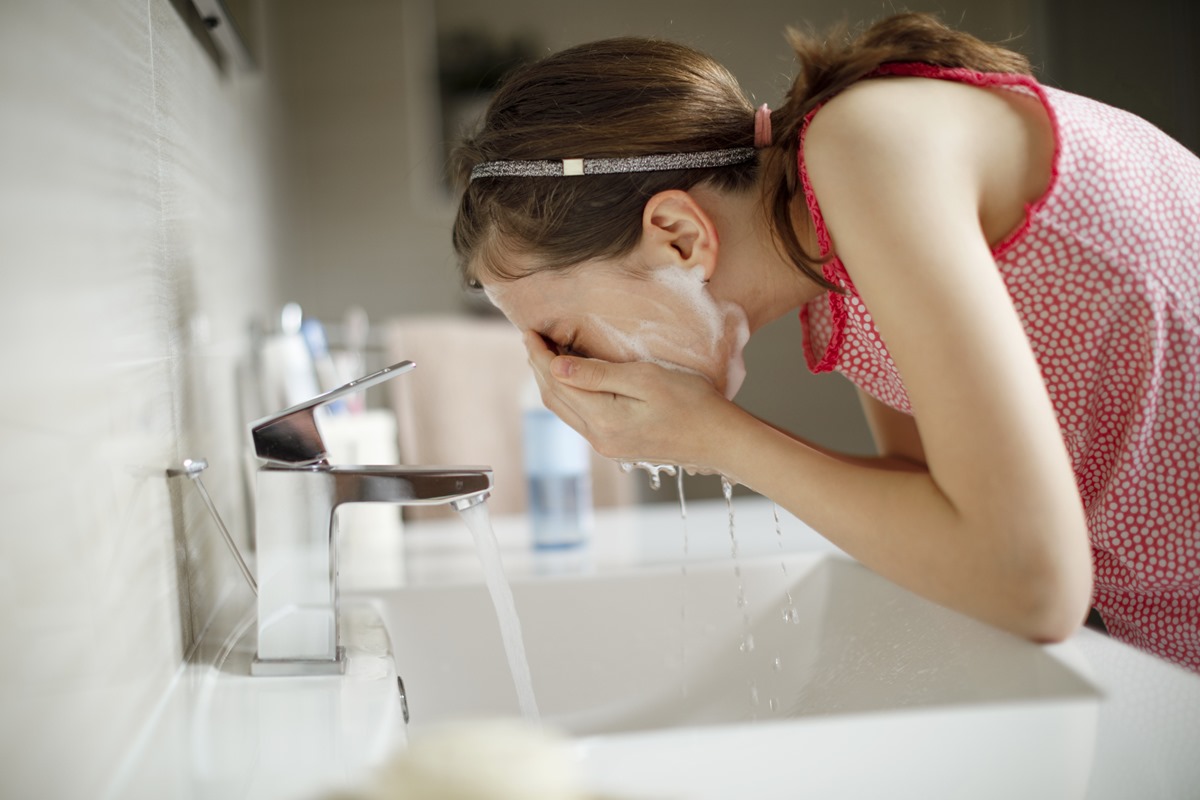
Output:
x=367 y=224
x=135 y=245
x=1142 y=58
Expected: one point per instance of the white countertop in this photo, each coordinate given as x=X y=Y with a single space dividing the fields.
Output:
x=221 y=734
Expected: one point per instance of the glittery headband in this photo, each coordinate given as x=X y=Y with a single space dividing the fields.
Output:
x=554 y=168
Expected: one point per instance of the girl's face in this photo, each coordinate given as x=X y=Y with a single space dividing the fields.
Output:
x=667 y=317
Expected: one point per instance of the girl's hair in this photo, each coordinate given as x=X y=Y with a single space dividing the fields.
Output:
x=630 y=97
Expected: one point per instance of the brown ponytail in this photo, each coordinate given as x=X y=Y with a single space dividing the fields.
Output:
x=630 y=97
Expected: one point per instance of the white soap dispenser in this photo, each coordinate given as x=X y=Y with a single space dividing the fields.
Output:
x=558 y=471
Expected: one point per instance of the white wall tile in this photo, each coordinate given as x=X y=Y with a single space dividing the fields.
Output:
x=134 y=249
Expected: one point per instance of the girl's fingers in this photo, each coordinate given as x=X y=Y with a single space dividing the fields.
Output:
x=589 y=375
x=623 y=409
x=535 y=345
x=556 y=397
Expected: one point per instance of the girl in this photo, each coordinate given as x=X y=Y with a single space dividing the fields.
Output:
x=1009 y=273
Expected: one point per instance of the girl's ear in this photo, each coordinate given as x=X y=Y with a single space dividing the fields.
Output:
x=676 y=230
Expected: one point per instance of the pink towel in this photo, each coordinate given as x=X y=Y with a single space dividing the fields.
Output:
x=462 y=405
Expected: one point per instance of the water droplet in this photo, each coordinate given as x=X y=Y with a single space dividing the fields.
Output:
x=773 y=704
x=655 y=471
x=778 y=664
x=682 y=504
x=754 y=694
x=747 y=644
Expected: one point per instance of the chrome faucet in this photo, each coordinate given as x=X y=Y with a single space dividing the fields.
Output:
x=298 y=493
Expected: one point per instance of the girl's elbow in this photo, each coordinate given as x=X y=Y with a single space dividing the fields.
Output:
x=1045 y=569
x=1054 y=629
x=1059 y=599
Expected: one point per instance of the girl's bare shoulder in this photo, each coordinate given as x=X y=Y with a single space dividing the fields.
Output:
x=910 y=114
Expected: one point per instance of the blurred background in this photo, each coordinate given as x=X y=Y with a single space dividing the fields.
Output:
x=164 y=194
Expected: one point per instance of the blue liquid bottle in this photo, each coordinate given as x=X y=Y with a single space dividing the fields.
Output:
x=558 y=469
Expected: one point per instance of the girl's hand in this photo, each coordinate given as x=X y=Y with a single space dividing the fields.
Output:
x=634 y=411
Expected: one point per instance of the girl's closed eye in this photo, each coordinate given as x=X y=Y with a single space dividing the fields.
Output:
x=566 y=348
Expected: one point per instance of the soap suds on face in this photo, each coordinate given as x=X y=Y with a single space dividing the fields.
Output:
x=633 y=347
x=715 y=326
x=690 y=286
x=674 y=319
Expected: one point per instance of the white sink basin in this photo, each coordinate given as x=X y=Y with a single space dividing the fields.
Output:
x=868 y=689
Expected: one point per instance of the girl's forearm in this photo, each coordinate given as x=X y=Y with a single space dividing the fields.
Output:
x=874 y=462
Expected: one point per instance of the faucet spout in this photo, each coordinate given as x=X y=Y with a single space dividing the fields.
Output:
x=410 y=486
x=468 y=502
x=295 y=528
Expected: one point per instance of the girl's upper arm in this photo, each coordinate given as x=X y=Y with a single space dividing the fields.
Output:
x=898 y=167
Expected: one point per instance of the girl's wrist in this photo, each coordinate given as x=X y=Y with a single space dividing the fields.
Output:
x=728 y=440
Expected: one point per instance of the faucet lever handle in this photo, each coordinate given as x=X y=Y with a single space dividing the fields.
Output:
x=291 y=436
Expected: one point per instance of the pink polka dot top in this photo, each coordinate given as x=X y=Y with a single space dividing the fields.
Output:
x=1105 y=275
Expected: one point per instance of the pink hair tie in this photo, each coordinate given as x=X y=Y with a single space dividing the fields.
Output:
x=762 y=127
